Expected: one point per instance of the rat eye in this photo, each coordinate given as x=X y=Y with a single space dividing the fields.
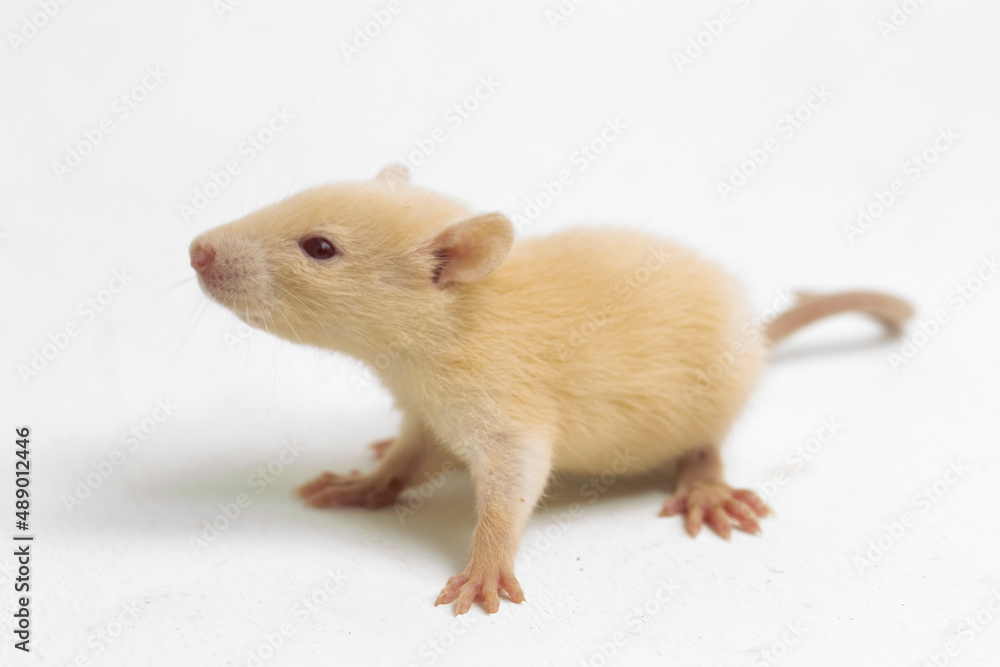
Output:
x=318 y=247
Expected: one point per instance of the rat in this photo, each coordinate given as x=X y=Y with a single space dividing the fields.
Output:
x=557 y=353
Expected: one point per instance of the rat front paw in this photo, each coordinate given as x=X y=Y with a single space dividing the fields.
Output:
x=381 y=447
x=354 y=490
x=484 y=582
x=718 y=505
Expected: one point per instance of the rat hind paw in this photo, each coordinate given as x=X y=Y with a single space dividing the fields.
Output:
x=718 y=505
x=463 y=589
x=353 y=490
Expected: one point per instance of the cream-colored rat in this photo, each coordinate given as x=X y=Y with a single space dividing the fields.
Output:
x=558 y=353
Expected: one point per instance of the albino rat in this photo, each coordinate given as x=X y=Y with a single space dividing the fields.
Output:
x=558 y=354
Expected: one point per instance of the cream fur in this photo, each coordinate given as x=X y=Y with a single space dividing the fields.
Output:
x=576 y=351
x=598 y=339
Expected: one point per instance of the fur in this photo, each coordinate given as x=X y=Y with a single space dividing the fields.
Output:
x=574 y=352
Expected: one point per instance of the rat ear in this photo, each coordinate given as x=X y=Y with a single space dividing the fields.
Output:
x=394 y=174
x=472 y=249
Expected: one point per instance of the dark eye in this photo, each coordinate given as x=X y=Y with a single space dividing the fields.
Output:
x=318 y=247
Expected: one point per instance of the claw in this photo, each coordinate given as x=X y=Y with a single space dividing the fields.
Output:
x=718 y=521
x=717 y=505
x=464 y=589
x=331 y=490
x=311 y=487
x=742 y=515
x=753 y=500
x=695 y=519
x=674 y=505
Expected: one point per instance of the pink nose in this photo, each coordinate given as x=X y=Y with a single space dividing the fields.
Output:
x=202 y=256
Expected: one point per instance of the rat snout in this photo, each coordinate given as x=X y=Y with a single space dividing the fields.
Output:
x=233 y=271
x=202 y=257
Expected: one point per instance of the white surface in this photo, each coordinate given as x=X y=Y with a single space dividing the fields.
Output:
x=129 y=543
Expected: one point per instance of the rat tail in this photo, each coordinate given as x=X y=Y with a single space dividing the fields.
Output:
x=892 y=311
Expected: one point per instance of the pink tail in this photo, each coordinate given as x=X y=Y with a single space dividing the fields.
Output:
x=892 y=311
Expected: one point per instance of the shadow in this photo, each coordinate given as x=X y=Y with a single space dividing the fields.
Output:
x=786 y=353
x=433 y=521
x=565 y=489
x=438 y=523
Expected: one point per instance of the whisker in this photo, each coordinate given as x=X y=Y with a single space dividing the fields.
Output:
x=187 y=325
x=246 y=360
x=316 y=318
x=312 y=369
x=274 y=377
x=160 y=292
x=287 y=192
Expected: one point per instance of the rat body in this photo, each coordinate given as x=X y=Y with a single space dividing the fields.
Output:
x=561 y=354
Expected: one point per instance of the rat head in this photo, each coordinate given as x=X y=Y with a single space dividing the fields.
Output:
x=351 y=266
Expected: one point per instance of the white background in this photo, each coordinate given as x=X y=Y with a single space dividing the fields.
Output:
x=901 y=427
